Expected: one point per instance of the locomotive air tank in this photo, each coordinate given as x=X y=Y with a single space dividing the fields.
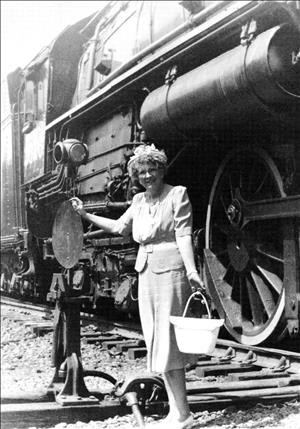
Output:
x=254 y=80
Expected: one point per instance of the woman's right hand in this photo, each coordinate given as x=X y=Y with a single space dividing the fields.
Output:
x=77 y=205
x=196 y=282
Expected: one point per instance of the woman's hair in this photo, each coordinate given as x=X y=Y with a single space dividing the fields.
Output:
x=146 y=154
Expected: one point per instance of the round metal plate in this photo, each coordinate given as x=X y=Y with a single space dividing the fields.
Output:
x=67 y=235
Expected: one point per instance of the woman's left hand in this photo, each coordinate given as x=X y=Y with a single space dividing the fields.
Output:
x=77 y=205
x=195 y=282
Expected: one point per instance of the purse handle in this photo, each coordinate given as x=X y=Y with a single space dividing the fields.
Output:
x=203 y=299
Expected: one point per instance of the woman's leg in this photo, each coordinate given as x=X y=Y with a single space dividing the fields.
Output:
x=173 y=413
x=176 y=389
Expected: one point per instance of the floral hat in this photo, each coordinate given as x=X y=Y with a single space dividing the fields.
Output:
x=148 y=151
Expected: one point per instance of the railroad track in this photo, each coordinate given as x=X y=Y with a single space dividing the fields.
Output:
x=13 y=303
x=248 y=373
x=232 y=374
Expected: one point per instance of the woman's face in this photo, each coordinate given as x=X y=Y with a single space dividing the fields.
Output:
x=150 y=176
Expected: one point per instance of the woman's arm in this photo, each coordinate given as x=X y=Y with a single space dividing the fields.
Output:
x=183 y=231
x=108 y=225
x=185 y=246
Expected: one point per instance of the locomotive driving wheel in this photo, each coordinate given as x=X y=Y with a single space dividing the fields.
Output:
x=244 y=259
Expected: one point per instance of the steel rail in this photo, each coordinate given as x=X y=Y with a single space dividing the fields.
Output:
x=225 y=351
x=13 y=302
x=263 y=357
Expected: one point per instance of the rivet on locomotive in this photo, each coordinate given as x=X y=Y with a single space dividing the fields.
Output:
x=217 y=85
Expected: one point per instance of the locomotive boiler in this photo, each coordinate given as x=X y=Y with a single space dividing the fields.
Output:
x=217 y=85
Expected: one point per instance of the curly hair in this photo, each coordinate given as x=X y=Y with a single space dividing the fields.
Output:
x=146 y=155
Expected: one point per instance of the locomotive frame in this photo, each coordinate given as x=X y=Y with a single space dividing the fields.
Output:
x=217 y=86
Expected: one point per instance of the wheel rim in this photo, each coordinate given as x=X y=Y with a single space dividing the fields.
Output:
x=246 y=257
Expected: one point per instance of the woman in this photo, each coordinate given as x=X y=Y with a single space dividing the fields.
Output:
x=160 y=220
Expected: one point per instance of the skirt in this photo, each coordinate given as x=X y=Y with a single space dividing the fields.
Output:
x=162 y=294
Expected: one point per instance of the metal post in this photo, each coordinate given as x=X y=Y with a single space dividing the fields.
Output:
x=68 y=379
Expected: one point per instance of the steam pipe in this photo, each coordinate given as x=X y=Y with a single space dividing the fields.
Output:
x=90 y=72
x=14 y=171
x=18 y=171
x=54 y=189
x=53 y=182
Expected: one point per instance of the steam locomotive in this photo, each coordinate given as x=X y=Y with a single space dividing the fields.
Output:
x=217 y=85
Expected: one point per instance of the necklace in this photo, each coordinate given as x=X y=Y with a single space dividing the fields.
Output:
x=153 y=207
x=153 y=203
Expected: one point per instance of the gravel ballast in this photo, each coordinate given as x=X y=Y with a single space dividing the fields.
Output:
x=26 y=367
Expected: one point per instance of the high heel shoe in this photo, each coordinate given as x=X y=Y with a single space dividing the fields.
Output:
x=174 y=424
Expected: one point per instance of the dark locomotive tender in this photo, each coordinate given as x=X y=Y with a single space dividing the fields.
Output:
x=217 y=85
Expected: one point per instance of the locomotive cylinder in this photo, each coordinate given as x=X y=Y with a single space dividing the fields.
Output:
x=249 y=81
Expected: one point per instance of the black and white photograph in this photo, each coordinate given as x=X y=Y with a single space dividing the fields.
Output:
x=150 y=214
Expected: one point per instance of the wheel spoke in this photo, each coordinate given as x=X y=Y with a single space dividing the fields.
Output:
x=221 y=268
x=255 y=304
x=243 y=298
x=233 y=279
x=269 y=255
x=271 y=278
x=222 y=253
x=220 y=240
x=264 y=293
x=231 y=187
x=230 y=278
x=236 y=289
x=223 y=204
x=260 y=186
x=240 y=180
x=227 y=272
x=245 y=308
x=225 y=229
x=250 y=176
